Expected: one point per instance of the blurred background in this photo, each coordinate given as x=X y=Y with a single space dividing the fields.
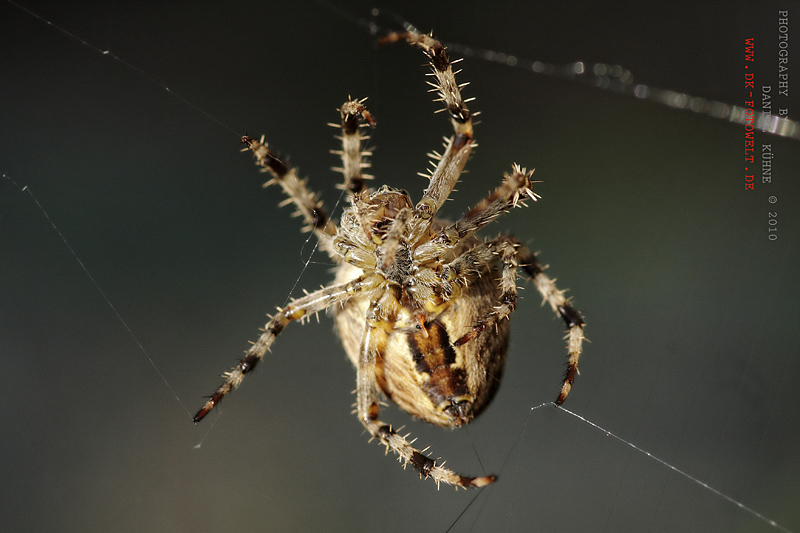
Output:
x=643 y=216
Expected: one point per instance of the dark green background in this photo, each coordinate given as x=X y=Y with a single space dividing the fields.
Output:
x=691 y=310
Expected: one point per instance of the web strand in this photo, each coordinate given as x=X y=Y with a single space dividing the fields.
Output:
x=675 y=469
x=27 y=190
x=143 y=73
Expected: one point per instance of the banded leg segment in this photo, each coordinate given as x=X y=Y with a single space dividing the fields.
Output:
x=354 y=159
x=446 y=87
x=307 y=204
x=562 y=307
x=450 y=164
x=298 y=309
x=373 y=341
x=513 y=192
x=442 y=180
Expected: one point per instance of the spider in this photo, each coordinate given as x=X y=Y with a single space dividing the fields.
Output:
x=421 y=305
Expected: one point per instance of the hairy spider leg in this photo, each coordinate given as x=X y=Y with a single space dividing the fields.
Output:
x=307 y=203
x=354 y=116
x=562 y=307
x=450 y=164
x=394 y=238
x=376 y=331
x=301 y=308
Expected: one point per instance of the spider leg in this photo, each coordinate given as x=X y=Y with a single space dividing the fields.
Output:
x=516 y=187
x=394 y=239
x=354 y=116
x=446 y=87
x=561 y=307
x=514 y=254
x=297 y=309
x=307 y=204
x=472 y=263
x=448 y=166
x=368 y=392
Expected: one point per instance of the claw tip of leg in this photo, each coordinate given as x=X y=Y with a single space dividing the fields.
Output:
x=483 y=481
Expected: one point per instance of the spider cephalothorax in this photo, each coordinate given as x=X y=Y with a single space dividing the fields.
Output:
x=421 y=305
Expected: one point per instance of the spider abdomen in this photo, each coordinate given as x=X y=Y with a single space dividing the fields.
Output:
x=418 y=366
